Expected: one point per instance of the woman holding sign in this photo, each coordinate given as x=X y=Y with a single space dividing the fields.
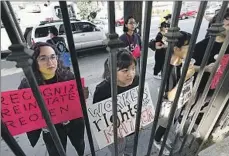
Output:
x=175 y=69
x=126 y=79
x=48 y=69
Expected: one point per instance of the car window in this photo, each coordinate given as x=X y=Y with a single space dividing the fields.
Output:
x=62 y=30
x=42 y=31
x=85 y=27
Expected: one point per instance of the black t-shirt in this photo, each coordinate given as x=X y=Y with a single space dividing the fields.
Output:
x=159 y=38
x=103 y=90
x=131 y=41
x=52 y=80
x=198 y=55
x=174 y=76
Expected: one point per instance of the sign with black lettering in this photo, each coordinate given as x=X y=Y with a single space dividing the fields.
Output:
x=100 y=115
x=20 y=111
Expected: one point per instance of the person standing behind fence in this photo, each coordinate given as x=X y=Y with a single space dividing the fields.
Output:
x=198 y=55
x=175 y=67
x=131 y=39
x=161 y=46
x=126 y=79
x=59 y=42
x=48 y=69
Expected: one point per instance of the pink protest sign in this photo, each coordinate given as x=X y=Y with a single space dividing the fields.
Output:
x=223 y=64
x=21 y=113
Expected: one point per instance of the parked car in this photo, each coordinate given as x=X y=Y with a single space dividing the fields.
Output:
x=187 y=13
x=119 y=22
x=211 y=12
x=102 y=24
x=33 y=9
x=86 y=35
x=5 y=43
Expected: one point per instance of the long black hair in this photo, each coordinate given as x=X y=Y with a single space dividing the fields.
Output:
x=35 y=67
x=124 y=60
x=184 y=39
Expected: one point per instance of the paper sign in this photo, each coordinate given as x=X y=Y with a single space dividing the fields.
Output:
x=223 y=64
x=186 y=92
x=20 y=111
x=100 y=115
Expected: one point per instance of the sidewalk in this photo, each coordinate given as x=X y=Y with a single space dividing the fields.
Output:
x=40 y=149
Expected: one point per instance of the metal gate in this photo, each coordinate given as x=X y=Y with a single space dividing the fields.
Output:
x=219 y=101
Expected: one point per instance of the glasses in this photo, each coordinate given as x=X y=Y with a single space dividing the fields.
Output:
x=45 y=59
x=133 y=23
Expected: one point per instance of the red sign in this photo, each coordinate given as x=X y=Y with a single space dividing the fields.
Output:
x=223 y=64
x=21 y=113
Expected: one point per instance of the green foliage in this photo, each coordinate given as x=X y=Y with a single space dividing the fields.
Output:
x=88 y=9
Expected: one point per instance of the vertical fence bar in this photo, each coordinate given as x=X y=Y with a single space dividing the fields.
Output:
x=22 y=56
x=216 y=106
x=207 y=87
x=216 y=100
x=143 y=61
x=113 y=69
x=10 y=141
x=111 y=17
x=193 y=39
x=25 y=62
x=172 y=35
x=15 y=21
x=179 y=89
x=214 y=30
x=70 y=40
x=9 y=24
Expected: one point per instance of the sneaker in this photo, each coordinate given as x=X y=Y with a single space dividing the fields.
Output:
x=157 y=77
x=158 y=146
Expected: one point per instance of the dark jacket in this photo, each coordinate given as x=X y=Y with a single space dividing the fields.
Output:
x=34 y=136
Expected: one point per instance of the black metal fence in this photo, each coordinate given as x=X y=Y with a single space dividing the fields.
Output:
x=22 y=56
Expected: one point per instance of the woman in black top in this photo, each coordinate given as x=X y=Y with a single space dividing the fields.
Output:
x=198 y=55
x=48 y=69
x=180 y=52
x=126 y=79
x=161 y=45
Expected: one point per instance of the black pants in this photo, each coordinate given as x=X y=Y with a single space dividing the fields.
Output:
x=161 y=130
x=159 y=61
x=75 y=132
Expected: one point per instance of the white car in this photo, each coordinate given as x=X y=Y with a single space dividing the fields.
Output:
x=5 y=43
x=33 y=9
x=211 y=11
x=86 y=35
x=103 y=24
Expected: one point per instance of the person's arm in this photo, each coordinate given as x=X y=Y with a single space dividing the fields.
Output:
x=71 y=76
x=158 y=41
x=139 y=40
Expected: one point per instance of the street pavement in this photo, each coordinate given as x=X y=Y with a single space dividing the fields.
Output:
x=91 y=68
